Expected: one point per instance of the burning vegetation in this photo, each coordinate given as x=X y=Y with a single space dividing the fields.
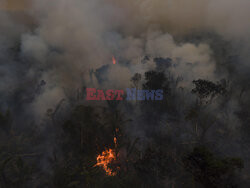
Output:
x=194 y=52
x=113 y=60
x=107 y=158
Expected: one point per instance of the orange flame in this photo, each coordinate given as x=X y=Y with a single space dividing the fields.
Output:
x=105 y=159
x=113 y=60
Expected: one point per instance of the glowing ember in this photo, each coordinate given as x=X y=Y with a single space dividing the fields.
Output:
x=113 y=60
x=105 y=159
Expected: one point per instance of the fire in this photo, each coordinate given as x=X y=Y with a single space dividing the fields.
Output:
x=105 y=159
x=113 y=60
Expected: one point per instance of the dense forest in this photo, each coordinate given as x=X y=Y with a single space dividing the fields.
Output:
x=186 y=140
x=196 y=52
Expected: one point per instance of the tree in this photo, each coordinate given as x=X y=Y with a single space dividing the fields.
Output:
x=205 y=89
x=136 y=80
x=211 y=171
x=155 y=80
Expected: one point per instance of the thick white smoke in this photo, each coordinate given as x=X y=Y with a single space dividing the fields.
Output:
x=71 y=38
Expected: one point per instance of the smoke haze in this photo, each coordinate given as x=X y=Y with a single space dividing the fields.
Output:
x=49 y=50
